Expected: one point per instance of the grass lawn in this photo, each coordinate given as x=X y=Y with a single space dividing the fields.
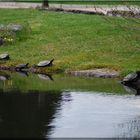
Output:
x=75 y=41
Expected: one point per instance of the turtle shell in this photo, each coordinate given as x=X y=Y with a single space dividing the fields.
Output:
x=130 y=77
x=20 y=66
x=43 y=63
x=4 y=56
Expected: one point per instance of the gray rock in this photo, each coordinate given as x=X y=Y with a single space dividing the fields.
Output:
x=15 y=27
x=104 y=72
x=11 y=27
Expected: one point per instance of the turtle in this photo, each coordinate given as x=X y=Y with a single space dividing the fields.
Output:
x=19 y=67
x=131 y=78
x=44 y=63
x=4 y=56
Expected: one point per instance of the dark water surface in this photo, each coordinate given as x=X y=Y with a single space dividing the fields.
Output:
x=60 y=106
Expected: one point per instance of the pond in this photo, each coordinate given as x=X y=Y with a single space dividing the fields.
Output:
x=63 y=106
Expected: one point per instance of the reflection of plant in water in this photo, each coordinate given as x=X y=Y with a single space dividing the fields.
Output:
x=129 y=129
x=60 y=82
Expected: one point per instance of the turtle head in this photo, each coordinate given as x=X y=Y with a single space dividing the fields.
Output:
x=51 y=61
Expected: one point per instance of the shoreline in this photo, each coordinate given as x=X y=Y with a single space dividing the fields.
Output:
x=100 y=73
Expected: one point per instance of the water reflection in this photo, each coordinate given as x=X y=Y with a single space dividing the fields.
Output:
x=97 y=115
x=45 y=76
x=4 y=76
x=134 y=89
x=27 y=115
x=22 y=73
x=129 y=128
x=25 y=81
x=34 y=106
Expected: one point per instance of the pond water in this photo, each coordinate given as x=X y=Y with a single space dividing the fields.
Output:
x=62 y=106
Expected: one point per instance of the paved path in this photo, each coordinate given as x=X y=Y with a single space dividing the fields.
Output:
x=19 y=5
x=97 y=9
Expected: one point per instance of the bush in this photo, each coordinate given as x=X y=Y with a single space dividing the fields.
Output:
x=14 y=32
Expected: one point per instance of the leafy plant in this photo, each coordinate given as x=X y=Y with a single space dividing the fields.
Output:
x=10 y=35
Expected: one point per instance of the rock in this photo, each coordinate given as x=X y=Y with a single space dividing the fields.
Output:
x=104 y=72
x=14 y=27
x=11 y=27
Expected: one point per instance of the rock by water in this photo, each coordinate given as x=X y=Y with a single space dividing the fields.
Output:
x=104 y=72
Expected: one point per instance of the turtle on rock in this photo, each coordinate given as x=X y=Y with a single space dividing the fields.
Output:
x=131 y=78
x=44 y=63
x=19 y=67
x=4 y=56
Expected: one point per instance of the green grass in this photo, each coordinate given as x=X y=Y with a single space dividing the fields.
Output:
x=75 y=41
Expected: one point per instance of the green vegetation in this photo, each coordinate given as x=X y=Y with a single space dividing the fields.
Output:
x=75 y=41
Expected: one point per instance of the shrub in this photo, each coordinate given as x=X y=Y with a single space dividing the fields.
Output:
x=14 y=32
